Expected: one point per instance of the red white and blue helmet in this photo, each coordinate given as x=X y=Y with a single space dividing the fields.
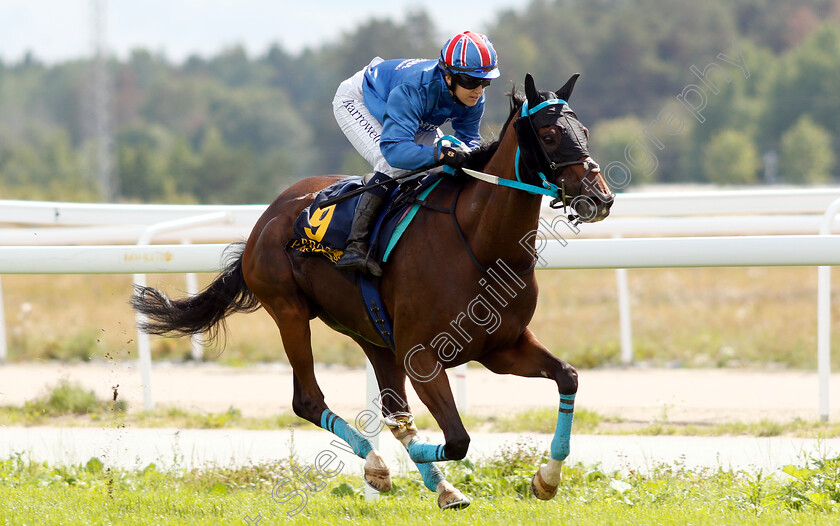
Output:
x=471 y=54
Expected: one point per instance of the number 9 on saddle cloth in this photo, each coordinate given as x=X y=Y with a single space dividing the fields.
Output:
x=324 y=231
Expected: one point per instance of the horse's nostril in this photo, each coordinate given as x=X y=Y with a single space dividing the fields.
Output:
x=585 y=208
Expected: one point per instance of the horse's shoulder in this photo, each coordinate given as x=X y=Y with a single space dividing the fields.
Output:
x=444 y=192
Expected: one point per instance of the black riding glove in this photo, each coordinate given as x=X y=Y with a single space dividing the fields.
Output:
x=453 y=157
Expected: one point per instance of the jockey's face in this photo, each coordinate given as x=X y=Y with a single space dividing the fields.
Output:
x=469 y=97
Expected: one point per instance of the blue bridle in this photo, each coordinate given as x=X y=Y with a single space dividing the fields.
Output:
x=548 y=188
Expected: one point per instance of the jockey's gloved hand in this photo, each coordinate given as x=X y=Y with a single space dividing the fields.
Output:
x=452 y=152
x=452 y=157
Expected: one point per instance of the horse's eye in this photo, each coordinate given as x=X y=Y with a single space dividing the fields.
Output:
x=548 y=139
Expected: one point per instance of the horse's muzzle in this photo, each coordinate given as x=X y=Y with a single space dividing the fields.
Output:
x=593 y=207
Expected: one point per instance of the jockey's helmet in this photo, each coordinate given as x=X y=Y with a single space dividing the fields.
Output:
x=469 y=54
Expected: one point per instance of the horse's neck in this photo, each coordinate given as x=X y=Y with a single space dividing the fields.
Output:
x=500 y=221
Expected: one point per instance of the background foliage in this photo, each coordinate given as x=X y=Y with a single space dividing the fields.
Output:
x=234 y=129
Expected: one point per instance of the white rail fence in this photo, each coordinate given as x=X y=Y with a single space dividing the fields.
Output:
x=788 y=211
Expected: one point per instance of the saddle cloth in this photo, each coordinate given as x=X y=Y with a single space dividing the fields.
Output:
x=324 y=231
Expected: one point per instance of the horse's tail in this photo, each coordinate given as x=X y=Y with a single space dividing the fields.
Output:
x=203 y=313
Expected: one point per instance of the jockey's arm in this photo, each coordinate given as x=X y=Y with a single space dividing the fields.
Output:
x=399 y=127
x=466 y=127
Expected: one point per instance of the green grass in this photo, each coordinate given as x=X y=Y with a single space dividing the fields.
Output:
x=65 y=400
x=36 y=493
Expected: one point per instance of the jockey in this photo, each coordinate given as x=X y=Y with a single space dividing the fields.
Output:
x=391 y=110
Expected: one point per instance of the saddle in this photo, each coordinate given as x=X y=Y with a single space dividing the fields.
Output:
x=324 y=231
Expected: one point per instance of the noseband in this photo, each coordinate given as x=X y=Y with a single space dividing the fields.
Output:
x=554 y=169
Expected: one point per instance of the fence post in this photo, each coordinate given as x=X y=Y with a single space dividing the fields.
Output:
x=144 y=351
x=3 y=344
x=624 y=319
x=824 y=317
x=461 y=387
x=625 y=322
x=143 y=344
x=196 y=344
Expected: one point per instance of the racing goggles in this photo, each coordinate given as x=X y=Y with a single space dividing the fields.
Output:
x=469 y=82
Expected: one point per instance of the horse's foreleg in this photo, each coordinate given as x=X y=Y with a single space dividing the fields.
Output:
x=404 y=430
x=432 y=386
x=529 y=358
x=308 y=402
x=435 y=393
x=547 y=478
x=398 y=418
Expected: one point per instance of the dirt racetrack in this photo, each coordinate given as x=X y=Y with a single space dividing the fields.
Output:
x=636 y=394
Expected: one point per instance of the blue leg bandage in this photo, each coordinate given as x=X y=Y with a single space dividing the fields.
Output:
x=560 y=443
x=421 y=452
x=337 y=426
x=431 y=475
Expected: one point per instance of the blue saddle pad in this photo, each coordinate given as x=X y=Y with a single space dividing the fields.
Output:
x=324 y=231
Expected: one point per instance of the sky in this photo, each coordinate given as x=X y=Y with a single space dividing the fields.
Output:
x=57 y=30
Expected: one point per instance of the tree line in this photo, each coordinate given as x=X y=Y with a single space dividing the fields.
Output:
x=727 y=92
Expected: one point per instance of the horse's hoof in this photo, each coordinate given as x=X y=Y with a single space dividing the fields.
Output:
x=378 y=479
x=541 y=489
x=377 y=474
x=449 y=498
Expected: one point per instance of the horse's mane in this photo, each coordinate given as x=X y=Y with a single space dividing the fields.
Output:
x=480 y=156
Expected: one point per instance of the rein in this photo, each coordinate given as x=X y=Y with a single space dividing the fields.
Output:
x=459 y=230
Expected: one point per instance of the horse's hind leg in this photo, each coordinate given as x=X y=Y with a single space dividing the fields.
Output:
x=308 y=399
x=529 y=358
x=398 y=417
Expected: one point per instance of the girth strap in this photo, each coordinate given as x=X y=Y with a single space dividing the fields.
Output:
x=376 y=309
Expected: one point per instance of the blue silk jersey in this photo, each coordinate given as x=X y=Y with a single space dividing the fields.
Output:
x=410 y=96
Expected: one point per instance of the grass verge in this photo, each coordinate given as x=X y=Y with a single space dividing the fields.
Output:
x=36 y=493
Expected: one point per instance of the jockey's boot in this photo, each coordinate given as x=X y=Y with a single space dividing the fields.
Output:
x=355 y=254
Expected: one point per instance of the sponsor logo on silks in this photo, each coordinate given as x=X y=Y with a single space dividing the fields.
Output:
x=309 y=246
x=410 y=62
x=361 y=120
x=429 y=127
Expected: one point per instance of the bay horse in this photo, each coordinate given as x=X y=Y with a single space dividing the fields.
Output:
x=459 y=286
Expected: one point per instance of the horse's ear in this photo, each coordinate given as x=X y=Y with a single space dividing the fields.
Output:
x=531 y=91
x=566 y=91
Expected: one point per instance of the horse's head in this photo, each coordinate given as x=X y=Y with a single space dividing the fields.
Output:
x=554 y=152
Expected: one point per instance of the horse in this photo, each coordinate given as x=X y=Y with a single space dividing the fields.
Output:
x=460 y=286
